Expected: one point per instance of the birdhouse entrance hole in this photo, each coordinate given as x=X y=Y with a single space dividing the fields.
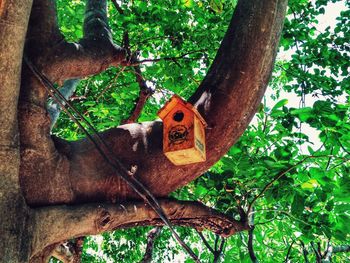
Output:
x=178 y=116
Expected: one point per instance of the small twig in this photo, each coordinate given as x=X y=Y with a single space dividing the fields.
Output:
x=289 y=250
x=151 y=237
x=319 y=249
x=250 y=245
x=280 y=212
x=218 y=252
x=327 y=255
x=145 y=91
x=339 y=164
x=305 y=252
x=222 y=244
x=267 y=186
x=216 y=242
x=263 y=131
x=110 y=84
x=205 y=242
x=278 y=176
x=341 y=145
x=327 y=248
x=117 y=6
x=329 y=159
x=146 y=40
x=318 y=256
x=242 y=239
x=167 y=58
x=267 y=221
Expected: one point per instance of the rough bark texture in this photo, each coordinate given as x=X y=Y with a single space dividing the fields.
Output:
x=53 y=171
x=232 y=90
x=96 y=218
x=14 y=231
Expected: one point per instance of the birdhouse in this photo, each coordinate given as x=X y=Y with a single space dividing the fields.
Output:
x=183 y=132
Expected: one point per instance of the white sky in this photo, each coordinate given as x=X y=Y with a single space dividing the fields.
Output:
x=332 y=11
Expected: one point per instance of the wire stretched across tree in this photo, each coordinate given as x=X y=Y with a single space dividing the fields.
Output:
x=42 y=174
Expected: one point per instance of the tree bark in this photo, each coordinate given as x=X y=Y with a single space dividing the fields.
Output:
x=55 y=224
x=232 y=90
x=15 y=230
x=53 y=171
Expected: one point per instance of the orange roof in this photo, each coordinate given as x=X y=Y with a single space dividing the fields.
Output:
x=174 y=100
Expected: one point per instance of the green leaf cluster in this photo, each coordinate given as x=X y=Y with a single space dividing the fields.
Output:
x=307 y=147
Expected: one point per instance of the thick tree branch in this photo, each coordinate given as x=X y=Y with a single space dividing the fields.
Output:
x=232 y=90
x=341 y=249
x=58 y=223
x=43 y=27
x=61 y=60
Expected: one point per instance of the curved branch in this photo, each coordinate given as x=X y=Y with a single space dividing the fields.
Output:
x=305 y=252
x=43 y=27
x=252 y=255
x=58 y=223
x=205 y=241
x=145 y=91
x=151 y=237
x=232 y=90
x=62 y=60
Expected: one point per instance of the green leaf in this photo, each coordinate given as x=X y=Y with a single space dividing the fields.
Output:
x=216 y=5
x=298 y=204
x=311 y=184
x=200 y=190
x=280 y=104
x=187 y=3
x=303 y=114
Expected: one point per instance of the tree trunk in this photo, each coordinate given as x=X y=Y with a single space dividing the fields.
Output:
x=15 y=231
x=54 y=171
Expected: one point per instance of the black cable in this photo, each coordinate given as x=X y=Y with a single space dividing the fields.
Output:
x=115 y=163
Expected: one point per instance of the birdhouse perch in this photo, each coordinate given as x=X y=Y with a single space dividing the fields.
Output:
x=183 y=132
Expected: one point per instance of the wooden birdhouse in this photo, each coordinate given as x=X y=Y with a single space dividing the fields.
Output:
x=183 y=132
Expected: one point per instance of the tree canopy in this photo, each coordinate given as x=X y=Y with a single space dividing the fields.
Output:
x=294 y=180
x=285 y=181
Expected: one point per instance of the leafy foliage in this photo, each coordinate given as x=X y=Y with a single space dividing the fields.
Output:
x=291 y=166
